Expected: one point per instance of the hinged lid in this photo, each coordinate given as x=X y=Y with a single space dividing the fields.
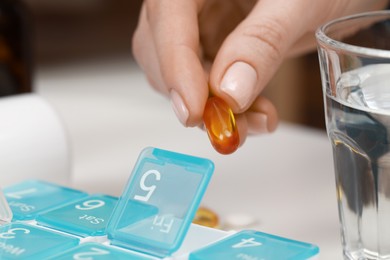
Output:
x=159 y=201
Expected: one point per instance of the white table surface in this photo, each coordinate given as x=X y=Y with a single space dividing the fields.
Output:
x=285 y=180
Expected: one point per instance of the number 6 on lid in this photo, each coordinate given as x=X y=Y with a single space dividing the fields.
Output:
x=159 y=201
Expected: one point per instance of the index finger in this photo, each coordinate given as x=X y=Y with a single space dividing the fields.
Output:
x=174 y=25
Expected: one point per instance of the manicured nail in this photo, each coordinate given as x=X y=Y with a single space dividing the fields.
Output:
x=179 y=107
x=257 y=123
x=239 y=83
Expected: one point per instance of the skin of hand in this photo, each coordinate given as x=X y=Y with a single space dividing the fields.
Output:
x=231 y=48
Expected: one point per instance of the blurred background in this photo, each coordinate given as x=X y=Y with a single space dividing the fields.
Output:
x=78 y=31
x=70 y=32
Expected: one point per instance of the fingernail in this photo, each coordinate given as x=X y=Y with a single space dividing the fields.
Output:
x=239 y=83
x=257 y=123
x=179 y=107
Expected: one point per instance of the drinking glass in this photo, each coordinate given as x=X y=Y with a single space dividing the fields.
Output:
x=354 y=57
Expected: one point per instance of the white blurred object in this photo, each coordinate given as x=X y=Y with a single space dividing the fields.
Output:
x=33 y=141
x=5 y=210
x=238 y=221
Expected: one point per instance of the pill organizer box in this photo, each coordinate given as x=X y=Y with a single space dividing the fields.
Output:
x=152 y=219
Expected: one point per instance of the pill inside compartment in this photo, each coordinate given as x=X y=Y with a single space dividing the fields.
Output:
x=221 y=125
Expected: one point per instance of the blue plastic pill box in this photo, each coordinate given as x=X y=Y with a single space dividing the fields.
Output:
x=151 y=219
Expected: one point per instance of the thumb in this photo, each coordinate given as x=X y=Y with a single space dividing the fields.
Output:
x=251 y=54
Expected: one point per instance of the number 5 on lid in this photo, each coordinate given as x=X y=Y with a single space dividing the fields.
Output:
x=159 y=202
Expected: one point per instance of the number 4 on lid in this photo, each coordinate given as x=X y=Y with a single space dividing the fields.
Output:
x=159 y=202
x=250 y=244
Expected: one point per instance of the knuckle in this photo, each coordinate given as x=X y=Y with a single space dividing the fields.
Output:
x=270 y=33
x=171 y=61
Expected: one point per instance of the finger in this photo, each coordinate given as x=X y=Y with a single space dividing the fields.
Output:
x=261 y=117
x=252 y=53
x=145 y=53
x=174 y=28
x=242 y=127
x=303 y=45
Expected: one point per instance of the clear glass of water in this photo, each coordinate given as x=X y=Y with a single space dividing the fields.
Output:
x=354 y=56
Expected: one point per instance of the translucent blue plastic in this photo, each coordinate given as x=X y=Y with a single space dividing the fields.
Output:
x=86 y=217
x=159 y=201
x=29 y=198
x=21 y=241
x=97 y=251
x=250 y=244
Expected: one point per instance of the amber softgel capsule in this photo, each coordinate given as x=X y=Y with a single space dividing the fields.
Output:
x=221 y=126
x=206 y=217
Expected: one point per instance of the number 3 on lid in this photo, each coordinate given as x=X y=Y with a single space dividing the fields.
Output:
x=159 y=201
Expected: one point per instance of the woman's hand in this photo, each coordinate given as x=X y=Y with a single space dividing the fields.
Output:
x=232 y=48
